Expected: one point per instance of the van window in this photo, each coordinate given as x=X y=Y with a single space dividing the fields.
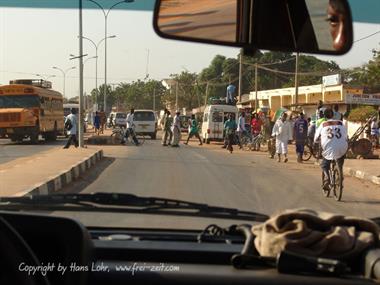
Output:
x=144 y=116
x=217 y=117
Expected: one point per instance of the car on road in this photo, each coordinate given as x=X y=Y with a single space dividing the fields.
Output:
x=146 y=123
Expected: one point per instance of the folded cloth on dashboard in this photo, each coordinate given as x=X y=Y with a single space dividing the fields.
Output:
x=315 y=233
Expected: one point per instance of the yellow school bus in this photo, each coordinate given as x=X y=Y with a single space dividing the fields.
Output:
x=29 y=108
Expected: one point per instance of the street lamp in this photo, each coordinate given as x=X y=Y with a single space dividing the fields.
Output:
x=105 y=43
x=45 y=77
x=64 y=77
x=96 y=45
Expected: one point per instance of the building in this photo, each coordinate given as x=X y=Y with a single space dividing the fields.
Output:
x=309 y=96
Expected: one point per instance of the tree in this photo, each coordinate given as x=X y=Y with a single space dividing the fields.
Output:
x=367 y=75
x=189 y=95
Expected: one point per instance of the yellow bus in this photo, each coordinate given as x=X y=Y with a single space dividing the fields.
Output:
x=29 y=108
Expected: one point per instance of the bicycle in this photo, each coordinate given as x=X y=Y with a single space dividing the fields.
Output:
x=258 y=141
x=336 y=181
x=311 y=149
x=119 y=133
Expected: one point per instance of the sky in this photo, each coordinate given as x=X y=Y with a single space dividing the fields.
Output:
x=32 y=41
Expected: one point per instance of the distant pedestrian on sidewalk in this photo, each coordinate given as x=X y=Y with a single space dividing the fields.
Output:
x=193 y=131
x=166 y=127
x=71 y=124
x=176 y=129
x=97 y=123
x=337 y=115
x=300 y=135
x=283 y=132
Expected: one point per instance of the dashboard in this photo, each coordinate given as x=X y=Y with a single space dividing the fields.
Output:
x=151 y=256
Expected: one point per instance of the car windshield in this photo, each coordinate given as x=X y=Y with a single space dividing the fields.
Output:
x=265 y=159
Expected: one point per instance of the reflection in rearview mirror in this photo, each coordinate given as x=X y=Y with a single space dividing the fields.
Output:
x=212 y=19
x=330 y=23
x=311 y=26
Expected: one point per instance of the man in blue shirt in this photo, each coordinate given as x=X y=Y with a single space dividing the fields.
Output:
x=230 y=94
x=300 y=135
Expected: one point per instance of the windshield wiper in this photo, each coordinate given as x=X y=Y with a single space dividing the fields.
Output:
x=129 y=203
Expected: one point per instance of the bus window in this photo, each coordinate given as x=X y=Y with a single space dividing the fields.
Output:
x=217 y=117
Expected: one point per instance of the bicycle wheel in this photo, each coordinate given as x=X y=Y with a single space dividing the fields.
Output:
x=116 y=137
x=326 y=192
x=338 y=183
x=307 y=153
x=141 y=139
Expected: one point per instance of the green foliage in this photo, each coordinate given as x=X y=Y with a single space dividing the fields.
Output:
x=367 y=75
x=361 y=114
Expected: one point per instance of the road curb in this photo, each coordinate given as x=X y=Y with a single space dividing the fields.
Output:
x=55 y=183
x=361 y=175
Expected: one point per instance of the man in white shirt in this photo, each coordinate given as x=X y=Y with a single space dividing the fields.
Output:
x=283 y=132
x=334 y=144
x=72 y=122
x=130 y=126
x=176 y=129
x=241 y=127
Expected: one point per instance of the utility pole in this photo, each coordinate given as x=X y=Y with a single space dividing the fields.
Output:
x=256 y=105
x=176 y=96
x=206 y=94
x=240 y=73
x=154 y=99
x=296 y=79
x=81 y=113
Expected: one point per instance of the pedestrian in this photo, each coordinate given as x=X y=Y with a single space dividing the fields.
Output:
x=241 y=128
x=337 y=115
x=300 y=135
x=194 y=130
x=176 y=129
x=375 y=133
x=230 y=127
x=282 y=130
x=97 y=123
x=230 y=95
x=256 y=126
x=111 y=121
x=103 y=120
x=321 y=116
x=130 y=128
x=318 y=111
x=167 y=123
x=71 y=124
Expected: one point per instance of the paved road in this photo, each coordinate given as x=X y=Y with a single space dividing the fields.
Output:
x=10 y=151
x=209 y=174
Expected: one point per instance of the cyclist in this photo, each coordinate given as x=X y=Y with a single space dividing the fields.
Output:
x=334 y=144
x=130 y=126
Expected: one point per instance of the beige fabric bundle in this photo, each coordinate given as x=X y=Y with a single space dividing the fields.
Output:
x=314 y=233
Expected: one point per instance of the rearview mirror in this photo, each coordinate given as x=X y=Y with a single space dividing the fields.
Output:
x=310 y=26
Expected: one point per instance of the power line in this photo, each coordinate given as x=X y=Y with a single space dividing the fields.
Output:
x=366 y=37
